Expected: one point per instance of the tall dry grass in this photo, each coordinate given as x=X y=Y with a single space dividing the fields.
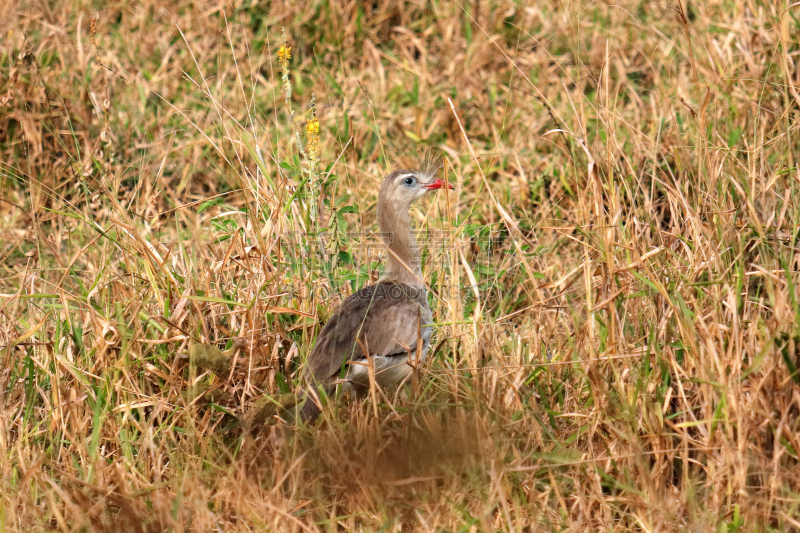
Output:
x=614 y=278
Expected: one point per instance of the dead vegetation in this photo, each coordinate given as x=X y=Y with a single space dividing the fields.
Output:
x=614 y=276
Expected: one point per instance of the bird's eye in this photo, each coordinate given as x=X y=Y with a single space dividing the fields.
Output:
x=410 y=181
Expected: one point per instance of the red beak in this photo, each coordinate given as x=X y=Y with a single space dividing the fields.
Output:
x=438 y=184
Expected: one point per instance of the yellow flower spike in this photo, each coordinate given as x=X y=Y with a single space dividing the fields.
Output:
x=285 y=53
x=312 y=136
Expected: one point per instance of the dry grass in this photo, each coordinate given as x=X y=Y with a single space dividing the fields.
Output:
x=615 y=274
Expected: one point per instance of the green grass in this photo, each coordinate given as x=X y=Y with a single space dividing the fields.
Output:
x=613 y=279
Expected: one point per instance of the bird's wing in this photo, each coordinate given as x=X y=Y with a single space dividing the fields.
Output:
x=381 y=319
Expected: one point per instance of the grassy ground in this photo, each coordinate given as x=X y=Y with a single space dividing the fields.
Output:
x=614 y=278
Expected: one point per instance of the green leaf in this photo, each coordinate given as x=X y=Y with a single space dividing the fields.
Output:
x=214 y=300
x=205 y=206
x=412 y=136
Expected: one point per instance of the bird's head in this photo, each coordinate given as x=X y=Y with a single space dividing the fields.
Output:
x=403 y=187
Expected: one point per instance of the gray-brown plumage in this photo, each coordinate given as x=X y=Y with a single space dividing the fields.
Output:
x=381 y=324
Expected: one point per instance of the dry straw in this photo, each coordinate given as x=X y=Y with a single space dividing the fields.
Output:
x=615 y=295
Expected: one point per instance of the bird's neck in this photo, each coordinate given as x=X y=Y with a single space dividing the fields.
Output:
x=403 y=264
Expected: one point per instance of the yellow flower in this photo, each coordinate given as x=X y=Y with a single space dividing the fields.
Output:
x=285 y=53
x=312 y=135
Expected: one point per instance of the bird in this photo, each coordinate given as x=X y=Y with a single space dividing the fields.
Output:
x=381 y=332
